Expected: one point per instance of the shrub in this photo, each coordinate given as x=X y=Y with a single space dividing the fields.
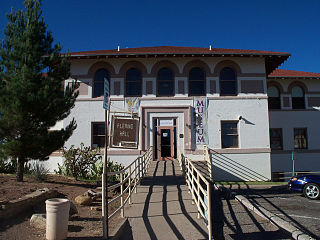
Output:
x=9 y=166
x=86 y=163
x=38 y=171
x=79 y=161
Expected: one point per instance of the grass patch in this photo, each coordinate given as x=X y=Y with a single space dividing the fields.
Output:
x=252 y=183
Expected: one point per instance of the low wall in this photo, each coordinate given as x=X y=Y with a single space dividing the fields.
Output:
x=14 y=207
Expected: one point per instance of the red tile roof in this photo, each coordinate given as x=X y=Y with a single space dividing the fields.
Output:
x=175 y=50
x=293 y=74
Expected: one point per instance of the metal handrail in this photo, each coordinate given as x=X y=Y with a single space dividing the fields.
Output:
x=129 y=179
x=200 y=189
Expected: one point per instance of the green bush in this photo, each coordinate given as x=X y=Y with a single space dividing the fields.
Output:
x=79 y=161
x=38 y=171
x=9 y=166
x=86 y=163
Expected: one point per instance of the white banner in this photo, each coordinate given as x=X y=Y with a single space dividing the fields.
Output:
x=132 y=104
x=201 y=122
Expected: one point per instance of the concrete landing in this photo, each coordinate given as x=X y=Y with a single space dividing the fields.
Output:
x=162 y=207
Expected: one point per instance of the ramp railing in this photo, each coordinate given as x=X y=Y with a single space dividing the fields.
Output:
x=129 y=178
x=200 y=189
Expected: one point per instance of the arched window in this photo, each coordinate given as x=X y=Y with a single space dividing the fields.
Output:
x=165 y=82
x=98 y=83
x=297 y=95
x=274 y=98
x=228 y=82
x=197 y=82
x=133 y=83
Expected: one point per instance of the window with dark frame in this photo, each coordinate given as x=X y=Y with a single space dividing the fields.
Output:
x=297 y=96
x=133 y=83
x=274 y=101
x=98 y=135
x=228 y=82
x=165 y=82
x=276 y=138
x=229 y=134
x=197 y=82
x=300 y=138
x=98 y=82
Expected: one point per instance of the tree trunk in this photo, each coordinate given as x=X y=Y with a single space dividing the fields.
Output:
x=20 y=169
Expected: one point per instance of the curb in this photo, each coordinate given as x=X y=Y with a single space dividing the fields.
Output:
x=295 y=232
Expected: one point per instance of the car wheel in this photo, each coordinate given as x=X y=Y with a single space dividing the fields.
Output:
x=311 y=191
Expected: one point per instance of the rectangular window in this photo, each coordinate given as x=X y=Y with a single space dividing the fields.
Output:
x=229 y=134
x=98 y=135
x=276 y=138
x=300 y=138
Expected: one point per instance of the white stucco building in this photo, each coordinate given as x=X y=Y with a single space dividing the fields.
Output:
x=186 y=97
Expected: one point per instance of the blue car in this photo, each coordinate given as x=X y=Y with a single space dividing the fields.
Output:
x=309 y=185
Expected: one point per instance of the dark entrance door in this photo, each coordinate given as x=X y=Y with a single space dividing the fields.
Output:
x=165 y=143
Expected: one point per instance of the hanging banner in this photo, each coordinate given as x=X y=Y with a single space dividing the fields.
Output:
x=201 y=123
x=124 y=132
x=132 y=104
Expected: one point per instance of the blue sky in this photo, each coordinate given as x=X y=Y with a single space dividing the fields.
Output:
x=277 y=25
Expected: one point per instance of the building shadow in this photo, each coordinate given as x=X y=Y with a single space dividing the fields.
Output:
x=235 y=221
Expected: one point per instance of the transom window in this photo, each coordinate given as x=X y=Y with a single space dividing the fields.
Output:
x=98 y=84
x=274 y=98
x=197 y=82
x=228 y=82
x=165 y=82
x=300 y=138
x=297 y=95
x=133 y=83
x=276 y=138
x=98 y=135
x=229 y=134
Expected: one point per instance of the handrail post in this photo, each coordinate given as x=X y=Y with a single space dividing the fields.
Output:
x=135 y=176
x=121 y=192
x=198 y=193
x=130 y=184
x=140 y=174
x=209 y=211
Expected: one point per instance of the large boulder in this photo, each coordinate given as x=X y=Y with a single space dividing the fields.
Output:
x=38 y=221
x=83 y=200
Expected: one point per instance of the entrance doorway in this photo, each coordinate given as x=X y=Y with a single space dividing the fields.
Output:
x=165 y=135
x=165 y=143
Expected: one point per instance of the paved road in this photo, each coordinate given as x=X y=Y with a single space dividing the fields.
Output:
x=292 y=207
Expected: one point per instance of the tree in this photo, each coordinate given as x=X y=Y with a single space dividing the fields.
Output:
x=32 y=95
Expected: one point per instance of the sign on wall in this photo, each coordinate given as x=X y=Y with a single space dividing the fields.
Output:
x=124 y=132
x=132 y=104
x=201 y=127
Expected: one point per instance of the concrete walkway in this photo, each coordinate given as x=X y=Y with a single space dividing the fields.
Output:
x=162 y=209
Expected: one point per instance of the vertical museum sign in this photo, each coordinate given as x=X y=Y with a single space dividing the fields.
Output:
x=200 y=109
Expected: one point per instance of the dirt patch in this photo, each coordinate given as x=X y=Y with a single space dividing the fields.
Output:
x=84 y=225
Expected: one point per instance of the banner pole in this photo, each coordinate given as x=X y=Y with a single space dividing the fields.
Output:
x=106 y=106
x=105 y=182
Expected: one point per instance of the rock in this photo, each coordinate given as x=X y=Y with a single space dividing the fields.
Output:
x=38 y=221
x=73 y=209
x=96 y=208
x=83 y=200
